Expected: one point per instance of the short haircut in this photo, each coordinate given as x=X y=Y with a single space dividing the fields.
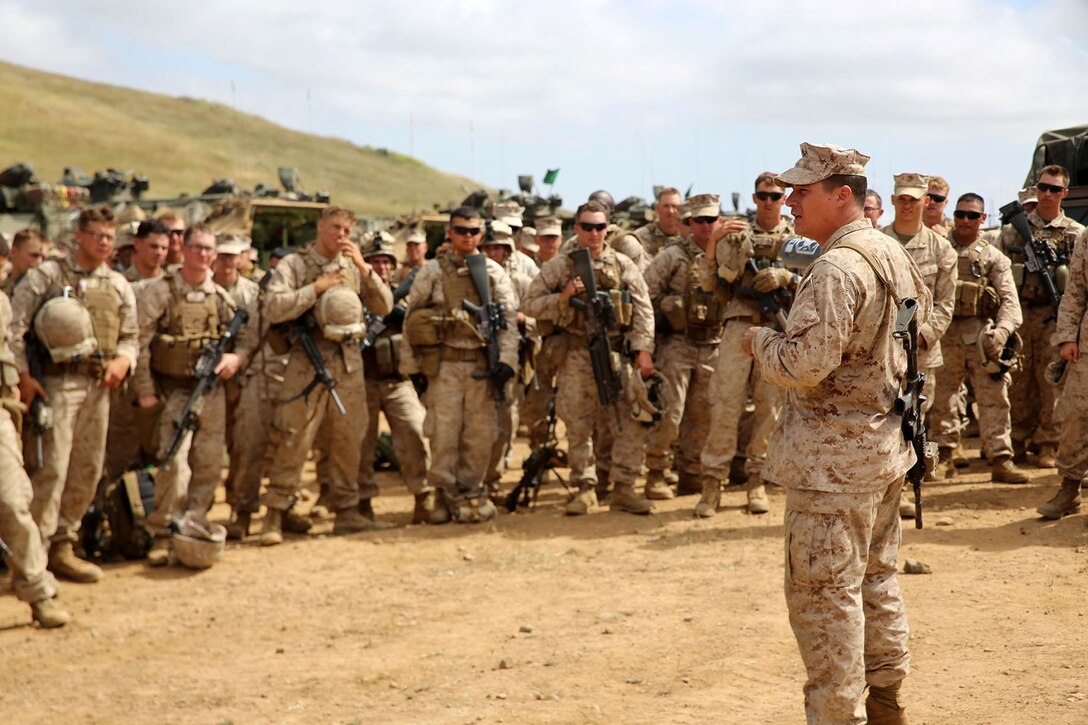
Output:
x=200 y=228
x=101 y=214
x=26 y=236
x=1055 y=170
x=873 y=193
x=151 y=226
x=666 y=192
x=971 y=196
x=765 y=178
x=939 y=182
x=341 y=211
x=858 y=185
x=593 y=207
x=170 y=216
x=465 y=212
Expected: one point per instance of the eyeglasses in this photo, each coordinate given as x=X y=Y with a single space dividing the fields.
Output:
x=101 y=236
x=765 y=195
x=590 y=227
x=870 y=209
x=1050 y=188
x=704 y=219
x=937 y=198
x=466 y=231
x=964 y=214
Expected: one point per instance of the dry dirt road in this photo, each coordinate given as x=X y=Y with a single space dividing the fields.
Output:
x=537 y=618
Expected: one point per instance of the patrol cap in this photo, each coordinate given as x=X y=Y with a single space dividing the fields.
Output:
x=705 y=205
x=1028 y=196
x=380 y=244
x=912 y=185
x=229 y=243
x=527 y=239
x=819 y=161
x=684 y=212
x=508 y=212
x=416 y=236
x=549 y=227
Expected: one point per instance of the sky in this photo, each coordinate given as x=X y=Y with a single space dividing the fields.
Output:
x=617 y=95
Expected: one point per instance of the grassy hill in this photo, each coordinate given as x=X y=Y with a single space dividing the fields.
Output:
x=181 y=144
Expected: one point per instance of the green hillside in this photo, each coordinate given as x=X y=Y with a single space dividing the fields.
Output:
x=181 y=144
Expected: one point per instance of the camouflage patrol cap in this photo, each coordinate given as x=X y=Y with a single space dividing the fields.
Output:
x=1028 y=196
x=527 y=240
x=912 y=185
x=416 y=236
x=684 y=212
x=508 y=212
x=705 y=205
x=819 y=161
x=379 y=244
x=229 y=243
x=549 y=227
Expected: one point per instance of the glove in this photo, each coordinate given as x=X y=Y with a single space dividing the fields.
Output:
x=994 y=342
x=772 y=278
x=419 y=382
x=501 y=374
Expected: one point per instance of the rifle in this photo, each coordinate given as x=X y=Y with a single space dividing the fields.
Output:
x=600 y=318
x=910 y=402
x=204 y=374
x=771 y=304
x=377 y=324
x=301 y=330
x=490 y=319
x=537 y=464
x=39 y=412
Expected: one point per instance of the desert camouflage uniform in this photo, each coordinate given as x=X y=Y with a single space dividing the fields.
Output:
x=843 y=462
x=297 y=418
x=30 y=580
x=520 y=262
x=462 y=422
x=187 y=483
x=1033 y=399
x=687 y=359
x=736 y=377
x=577 y=401
x=1072 y=326
x=619 y=239
x=653 y=239
x=978 y=263
x=74 y=448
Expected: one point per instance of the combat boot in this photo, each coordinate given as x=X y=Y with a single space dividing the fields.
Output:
x=1066 y=502
x=441 y=512
x=64 y=563
x=239 y=527
x=48 y=615
x=945 y=467
x=1004 y=470
x=656 y=488
x=295 y=523
x=582 y=503
x=711 y=498
x=906 y=506
x=959 y=457
x=625 y=498
x=603 y=487
x=1019 y=452
x=757 y=496
x=882 y=706
x=366 y=508
x=159 y=554
x=350 y=521
x=1047 y=457
x=671 y=479
x=272 y=529
x=475 y=510
x=421 y=514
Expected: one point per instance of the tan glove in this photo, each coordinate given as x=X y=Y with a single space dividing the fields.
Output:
x=772 y=278
x=993 y=342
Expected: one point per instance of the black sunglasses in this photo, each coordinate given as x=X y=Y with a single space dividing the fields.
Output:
x=466 y=231
x=590 y=227
x=704 y=219
x=964 y=214
x=765 y=195
x=937 y=198
x=1050 y=188
x=177 y=232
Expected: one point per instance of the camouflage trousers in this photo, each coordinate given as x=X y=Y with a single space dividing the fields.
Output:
x=461 y=425
x=1031 y=397
x=248 y=437
x=1072 y=414
x=578 y=406
x=397 y=399
x=496 y=464
x=30 y=579
x=534 y=409
x=73 y=449
x=961 y=360
x=296 y=420
x=843 y=597
x=187 y=483
x=688 y=370
x=735 y=379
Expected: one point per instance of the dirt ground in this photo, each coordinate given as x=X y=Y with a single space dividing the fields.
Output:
x=538 y=618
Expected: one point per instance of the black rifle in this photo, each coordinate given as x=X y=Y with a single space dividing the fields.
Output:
x=302 y=331
x=490 y=320
x=377 y=324
x=545 y=458
x=600 y=319
x=910 y=402
x=39 y=413
x=771 y=304
x=204 y=374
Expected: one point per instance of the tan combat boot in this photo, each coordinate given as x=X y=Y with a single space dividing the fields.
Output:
x=159 y=555
x=1066 y=502
x=711 y=498
x=1004 y=470
x=295 y=523
x=350 y=521
x=671 y=479
x=582 y=503
x=882 y=706
x=625 y=498
x=656 y=488
x=441 y=513
x=239 y=527
x=64 y=563
x=945 y=467
x=272 y=529
x=366 y=508
x=1047 y=457
x=757 y=496
x=48 y=615
x=906 y=506
x=421 y=514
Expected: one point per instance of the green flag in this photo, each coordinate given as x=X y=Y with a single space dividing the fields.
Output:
x=549 y=178
x=687 y=194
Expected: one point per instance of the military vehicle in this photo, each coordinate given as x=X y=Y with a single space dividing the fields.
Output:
x=1068 y=147
x=26 y=201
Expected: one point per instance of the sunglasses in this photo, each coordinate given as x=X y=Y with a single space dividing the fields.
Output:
x=704 y=219
x=176 y=232
x=590 y=227
x=964 y=214
x=937 y=198
x=466 y=231
x=1050 y=188
x=765 y=195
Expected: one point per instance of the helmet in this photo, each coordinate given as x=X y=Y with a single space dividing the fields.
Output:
x=339 y=314
x=381 y=243
x=198 y=545
x=63 y=325
x=499 y=233
x=1010 y=354
x=648 y=398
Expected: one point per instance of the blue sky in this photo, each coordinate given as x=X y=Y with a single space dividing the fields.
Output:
x=619 y=95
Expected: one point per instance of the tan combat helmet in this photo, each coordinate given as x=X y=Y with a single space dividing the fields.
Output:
x=63 y=326
x=379 y=244
x=339 y=314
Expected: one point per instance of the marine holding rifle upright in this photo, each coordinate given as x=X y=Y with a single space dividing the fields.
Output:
x=181 y=314
x=320 y=295
x=459 y=369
